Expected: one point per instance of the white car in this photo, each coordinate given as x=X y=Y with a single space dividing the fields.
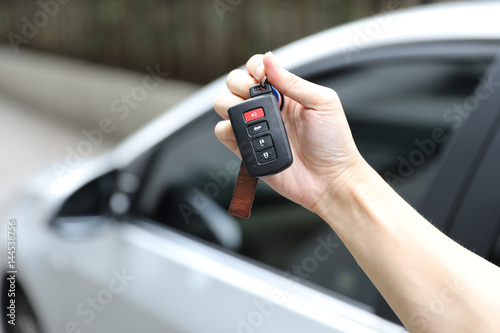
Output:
x=139 y=240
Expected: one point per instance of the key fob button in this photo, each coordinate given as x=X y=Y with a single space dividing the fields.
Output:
x=262 y=143
x=266 y=155
x=253 y=114
x=260 y=132
x=257 y=128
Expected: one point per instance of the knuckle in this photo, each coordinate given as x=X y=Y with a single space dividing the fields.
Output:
x=231 y=75
x=331 y=94
x=328 y=96
x=293 y=80
x=255 y=59
x=217 y=101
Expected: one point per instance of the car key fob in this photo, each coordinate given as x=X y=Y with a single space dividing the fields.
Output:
x=260 y=132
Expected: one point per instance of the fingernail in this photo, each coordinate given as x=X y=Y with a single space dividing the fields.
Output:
x=272 y=55
x=274 y=59
x=259 y=72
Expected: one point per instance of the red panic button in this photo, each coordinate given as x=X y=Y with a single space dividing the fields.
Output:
x=253 y=114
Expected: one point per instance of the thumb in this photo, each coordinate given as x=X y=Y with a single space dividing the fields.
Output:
x=308 y=94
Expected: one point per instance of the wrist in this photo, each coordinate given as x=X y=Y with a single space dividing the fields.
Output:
x=343 y=195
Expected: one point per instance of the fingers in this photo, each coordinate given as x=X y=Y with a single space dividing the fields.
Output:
x=239 y=82
x=255 y=66
x=224 y=132
x=308 y=94
x=223 y=101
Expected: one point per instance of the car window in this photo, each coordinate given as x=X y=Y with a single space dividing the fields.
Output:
x=402 y=112
x=395 y=110
x=495 y=253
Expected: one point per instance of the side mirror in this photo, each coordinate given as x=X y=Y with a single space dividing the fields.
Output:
x=84 y=211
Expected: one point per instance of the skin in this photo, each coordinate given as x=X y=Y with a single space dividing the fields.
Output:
x=432 y=283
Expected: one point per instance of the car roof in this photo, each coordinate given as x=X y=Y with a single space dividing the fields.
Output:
x=438 y=22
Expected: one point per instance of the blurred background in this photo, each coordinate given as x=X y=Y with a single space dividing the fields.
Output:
x=68 y=65
x=197 y=41
x=64 y=62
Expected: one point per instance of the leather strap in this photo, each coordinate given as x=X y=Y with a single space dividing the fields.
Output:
x=244 y=191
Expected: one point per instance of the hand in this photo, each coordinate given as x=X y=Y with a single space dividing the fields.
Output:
x=324 y=153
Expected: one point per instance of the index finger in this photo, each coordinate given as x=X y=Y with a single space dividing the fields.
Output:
x=223 y=101
x=255 y=66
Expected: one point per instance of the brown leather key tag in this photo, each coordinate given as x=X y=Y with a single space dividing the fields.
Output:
x=244 y=192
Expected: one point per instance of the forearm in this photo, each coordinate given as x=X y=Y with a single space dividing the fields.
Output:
x=432 y=283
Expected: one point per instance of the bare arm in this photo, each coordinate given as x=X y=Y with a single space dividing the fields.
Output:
x=432 y=283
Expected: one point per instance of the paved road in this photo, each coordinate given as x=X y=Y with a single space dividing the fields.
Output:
x=31 y=141
x=46 y=101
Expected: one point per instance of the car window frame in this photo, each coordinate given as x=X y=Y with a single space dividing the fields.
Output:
x=457 y=50
x=483 y=192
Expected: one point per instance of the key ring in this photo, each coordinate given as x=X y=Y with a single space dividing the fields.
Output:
x=282 y=98
x=263 y=80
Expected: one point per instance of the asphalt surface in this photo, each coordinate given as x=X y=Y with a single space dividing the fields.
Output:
x=48 y=102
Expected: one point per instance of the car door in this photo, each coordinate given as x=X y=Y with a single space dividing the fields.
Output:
x=188 y=179
x=199 y=262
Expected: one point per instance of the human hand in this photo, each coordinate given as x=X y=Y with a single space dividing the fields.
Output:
x=324 y=153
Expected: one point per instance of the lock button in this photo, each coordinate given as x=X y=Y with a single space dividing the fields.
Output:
x=257 y=128
x=266 y=155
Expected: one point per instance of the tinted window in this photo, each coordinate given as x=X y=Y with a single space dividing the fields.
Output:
x=389 y=105
x=402 y=112
x=91 y=199
x=495 y=254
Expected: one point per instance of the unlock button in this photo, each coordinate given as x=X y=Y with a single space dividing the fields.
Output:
x=262 y=143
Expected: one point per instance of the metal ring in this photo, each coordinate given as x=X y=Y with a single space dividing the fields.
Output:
x=263 y=80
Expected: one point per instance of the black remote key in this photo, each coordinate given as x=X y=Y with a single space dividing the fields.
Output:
x=260 y=133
